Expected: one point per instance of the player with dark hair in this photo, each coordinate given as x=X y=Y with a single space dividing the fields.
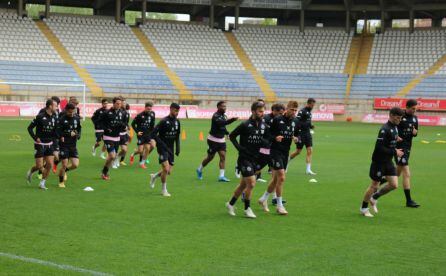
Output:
x=56 y=115
x=407 y=129
x=252 y=134
x=305 y=138
x=216 y=141
x=282 y=130
x=124 y=136
x=382 y=164
x=69 y=131
x=112 y=121
x=98 y=128
x=143 y=125
x=167 y=136
x=45 y=124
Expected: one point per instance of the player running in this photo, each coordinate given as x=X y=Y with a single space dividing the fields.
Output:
x=124 y=136
x=167 y=136
x=216 y=141
x=252 y=139
x=112 y=122
x=282 y=130
x=45 y=124
x=98 y=128
x=407 y=129
x=382 y=165
x=143 y=125
x=69 y=131
x=305 y=137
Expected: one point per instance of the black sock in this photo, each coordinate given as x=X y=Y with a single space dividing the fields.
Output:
x=407 y=194
x=233 y=201
x=122 y=158
x=60 y=178
x=247 y=203
x=259 y=176
x=365 y=205
x=39 y=172
x=105 y=170
x=56 y=162
x=67 y=169
x=376 y=195
x=140 y=158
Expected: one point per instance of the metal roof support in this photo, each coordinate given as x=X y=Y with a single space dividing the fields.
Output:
x=47 y=8
x=143 y=12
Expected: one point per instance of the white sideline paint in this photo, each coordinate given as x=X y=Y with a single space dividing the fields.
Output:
x=46 y=263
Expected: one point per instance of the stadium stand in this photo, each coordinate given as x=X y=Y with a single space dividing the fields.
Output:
x=191 y=46
x=22 y=41
x=404 y=64
x=285 y=49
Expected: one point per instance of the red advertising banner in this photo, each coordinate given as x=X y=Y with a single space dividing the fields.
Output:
x=423 y=120
x=332 y=108
x=187 y=111
x=423 y=104
x=9 y=110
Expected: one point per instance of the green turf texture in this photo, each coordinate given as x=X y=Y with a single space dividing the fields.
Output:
x=125 y=228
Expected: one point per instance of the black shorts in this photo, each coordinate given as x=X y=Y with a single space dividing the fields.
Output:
x=111 y=146
x=68 y=151
x=305 y=139
x=379 y=170
x=279 y=160
x=404 y=160
x=262 y=162
x=142 y=140
x=247 y=167
x=214 y=147
x=99 y=136
x=43 y=150
x=56 y=146
x=124 y=139
x=166 y=156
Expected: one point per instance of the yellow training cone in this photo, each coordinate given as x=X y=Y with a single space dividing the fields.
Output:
x=424 y=142
x=183 y=135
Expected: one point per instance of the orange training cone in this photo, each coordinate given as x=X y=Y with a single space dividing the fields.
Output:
x=201 y=136
x=183 y=135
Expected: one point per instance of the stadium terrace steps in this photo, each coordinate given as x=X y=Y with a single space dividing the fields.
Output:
x=364 y=54
x=355 y=47
x=184 y=93
x=270 y=95
x=419 y=78
x=5 y=89
x=94 y=88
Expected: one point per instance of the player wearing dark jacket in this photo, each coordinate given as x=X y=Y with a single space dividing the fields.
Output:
x=99 y=128
x=45 y=124
x=167 y=136
x=143 y=125
x=382 y=164
x=216 y=141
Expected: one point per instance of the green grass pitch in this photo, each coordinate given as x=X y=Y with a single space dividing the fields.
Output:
x=125 y=228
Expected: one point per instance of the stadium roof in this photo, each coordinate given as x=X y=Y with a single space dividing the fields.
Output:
x=322 y=10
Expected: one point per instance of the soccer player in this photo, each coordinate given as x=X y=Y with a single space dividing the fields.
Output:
x=407 y=129
x=98 y=129
x=167 y=136
x=112 y=122
x=276 y=109
x=124 y=136
x=252 y=134
x=282 y=130
x=382 y=165
x=143 y=125
x=69 y=131
x=216 y=141
x=56 y=141
x=45 y=124
x=305 y=138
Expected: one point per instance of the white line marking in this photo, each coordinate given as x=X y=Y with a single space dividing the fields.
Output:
x=46 y=263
